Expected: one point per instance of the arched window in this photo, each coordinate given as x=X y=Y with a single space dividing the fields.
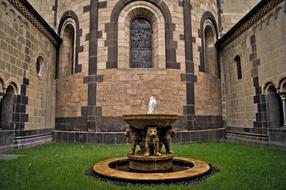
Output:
x=141 y=43
x=6 y=108
x=238 y=66
x=67 y=51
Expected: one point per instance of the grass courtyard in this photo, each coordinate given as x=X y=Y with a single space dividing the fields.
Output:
x=62 y=166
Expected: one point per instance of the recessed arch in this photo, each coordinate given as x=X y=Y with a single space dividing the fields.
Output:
x=6 y=108
x=67 y=49
x=13 y=83
x=112 y=32
x=70 y=19
x=153 y=15
x=209 y=62
x=282 y=85
x=274 y=106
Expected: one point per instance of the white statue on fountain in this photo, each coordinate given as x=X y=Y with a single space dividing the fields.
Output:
x=152 y=105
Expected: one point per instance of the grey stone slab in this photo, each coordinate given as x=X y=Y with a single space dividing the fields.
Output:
x=9 y=156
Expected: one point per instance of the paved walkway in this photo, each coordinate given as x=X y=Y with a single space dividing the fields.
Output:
x=9 y=156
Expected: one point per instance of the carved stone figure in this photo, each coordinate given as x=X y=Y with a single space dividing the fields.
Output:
x=135 y=137
x=166 y=136
x=152 y=142
x=152 y=105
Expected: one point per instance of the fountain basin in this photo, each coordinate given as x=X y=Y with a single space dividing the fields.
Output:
x=141 y=121
x=183 y=169
x=151 y=163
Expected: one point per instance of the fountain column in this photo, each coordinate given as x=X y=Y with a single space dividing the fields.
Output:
x=283 y=97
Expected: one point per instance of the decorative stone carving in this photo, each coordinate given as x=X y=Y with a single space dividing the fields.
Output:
x=165 y=138
x=152 y=143
x=136 y=139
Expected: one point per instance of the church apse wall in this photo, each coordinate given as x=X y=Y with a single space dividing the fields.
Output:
x=128 y=51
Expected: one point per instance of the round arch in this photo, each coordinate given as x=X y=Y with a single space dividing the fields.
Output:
x=155 y=17
x=208 y=23
x=70 y=17
x=112 y=32
x=274 y=108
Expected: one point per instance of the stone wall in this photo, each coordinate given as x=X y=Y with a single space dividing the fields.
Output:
x=126 y=90
x=238 y=106
x=47 y=9
x=261 y=47
x=232 y=11
x=262 y=61
x=22 y=43
x=115 y=88
x=207 y=88
x=71 y=90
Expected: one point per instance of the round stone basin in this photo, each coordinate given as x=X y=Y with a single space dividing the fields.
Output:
x=118 y=169
x=141 y=121
x=142 y=163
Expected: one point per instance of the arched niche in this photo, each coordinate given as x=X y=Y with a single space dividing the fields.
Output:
x=210 y=50
x=6 y=108
x=274 y=109
x=208 y=33
x=67 y=50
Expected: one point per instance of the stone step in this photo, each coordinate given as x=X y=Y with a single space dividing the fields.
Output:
x=249 y=138
x=33 y=140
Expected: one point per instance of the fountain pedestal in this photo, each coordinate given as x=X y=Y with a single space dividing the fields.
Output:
x=150 y=132
x=141 y=163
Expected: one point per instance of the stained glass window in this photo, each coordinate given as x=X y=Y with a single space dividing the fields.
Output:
x=141 y=43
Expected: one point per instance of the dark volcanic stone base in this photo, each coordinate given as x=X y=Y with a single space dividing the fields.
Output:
x=87 y=137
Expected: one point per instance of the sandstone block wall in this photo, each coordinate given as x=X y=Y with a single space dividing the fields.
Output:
x=232 y=11
x=262 y=52
x=207 y=88
x=135 y=85
x=47 y=10
x=238 y=107
x=21 y=44
x=71 y=90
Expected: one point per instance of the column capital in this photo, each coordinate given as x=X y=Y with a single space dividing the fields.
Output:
x=283 y=95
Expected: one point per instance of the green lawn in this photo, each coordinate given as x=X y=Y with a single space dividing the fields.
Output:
x=61 y=166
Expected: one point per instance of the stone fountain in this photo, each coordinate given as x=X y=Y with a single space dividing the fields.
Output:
x=146 y=161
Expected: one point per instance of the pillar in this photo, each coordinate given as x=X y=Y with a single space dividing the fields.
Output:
x=283 y=97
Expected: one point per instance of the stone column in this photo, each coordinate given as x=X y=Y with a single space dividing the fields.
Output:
x=283 y=97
